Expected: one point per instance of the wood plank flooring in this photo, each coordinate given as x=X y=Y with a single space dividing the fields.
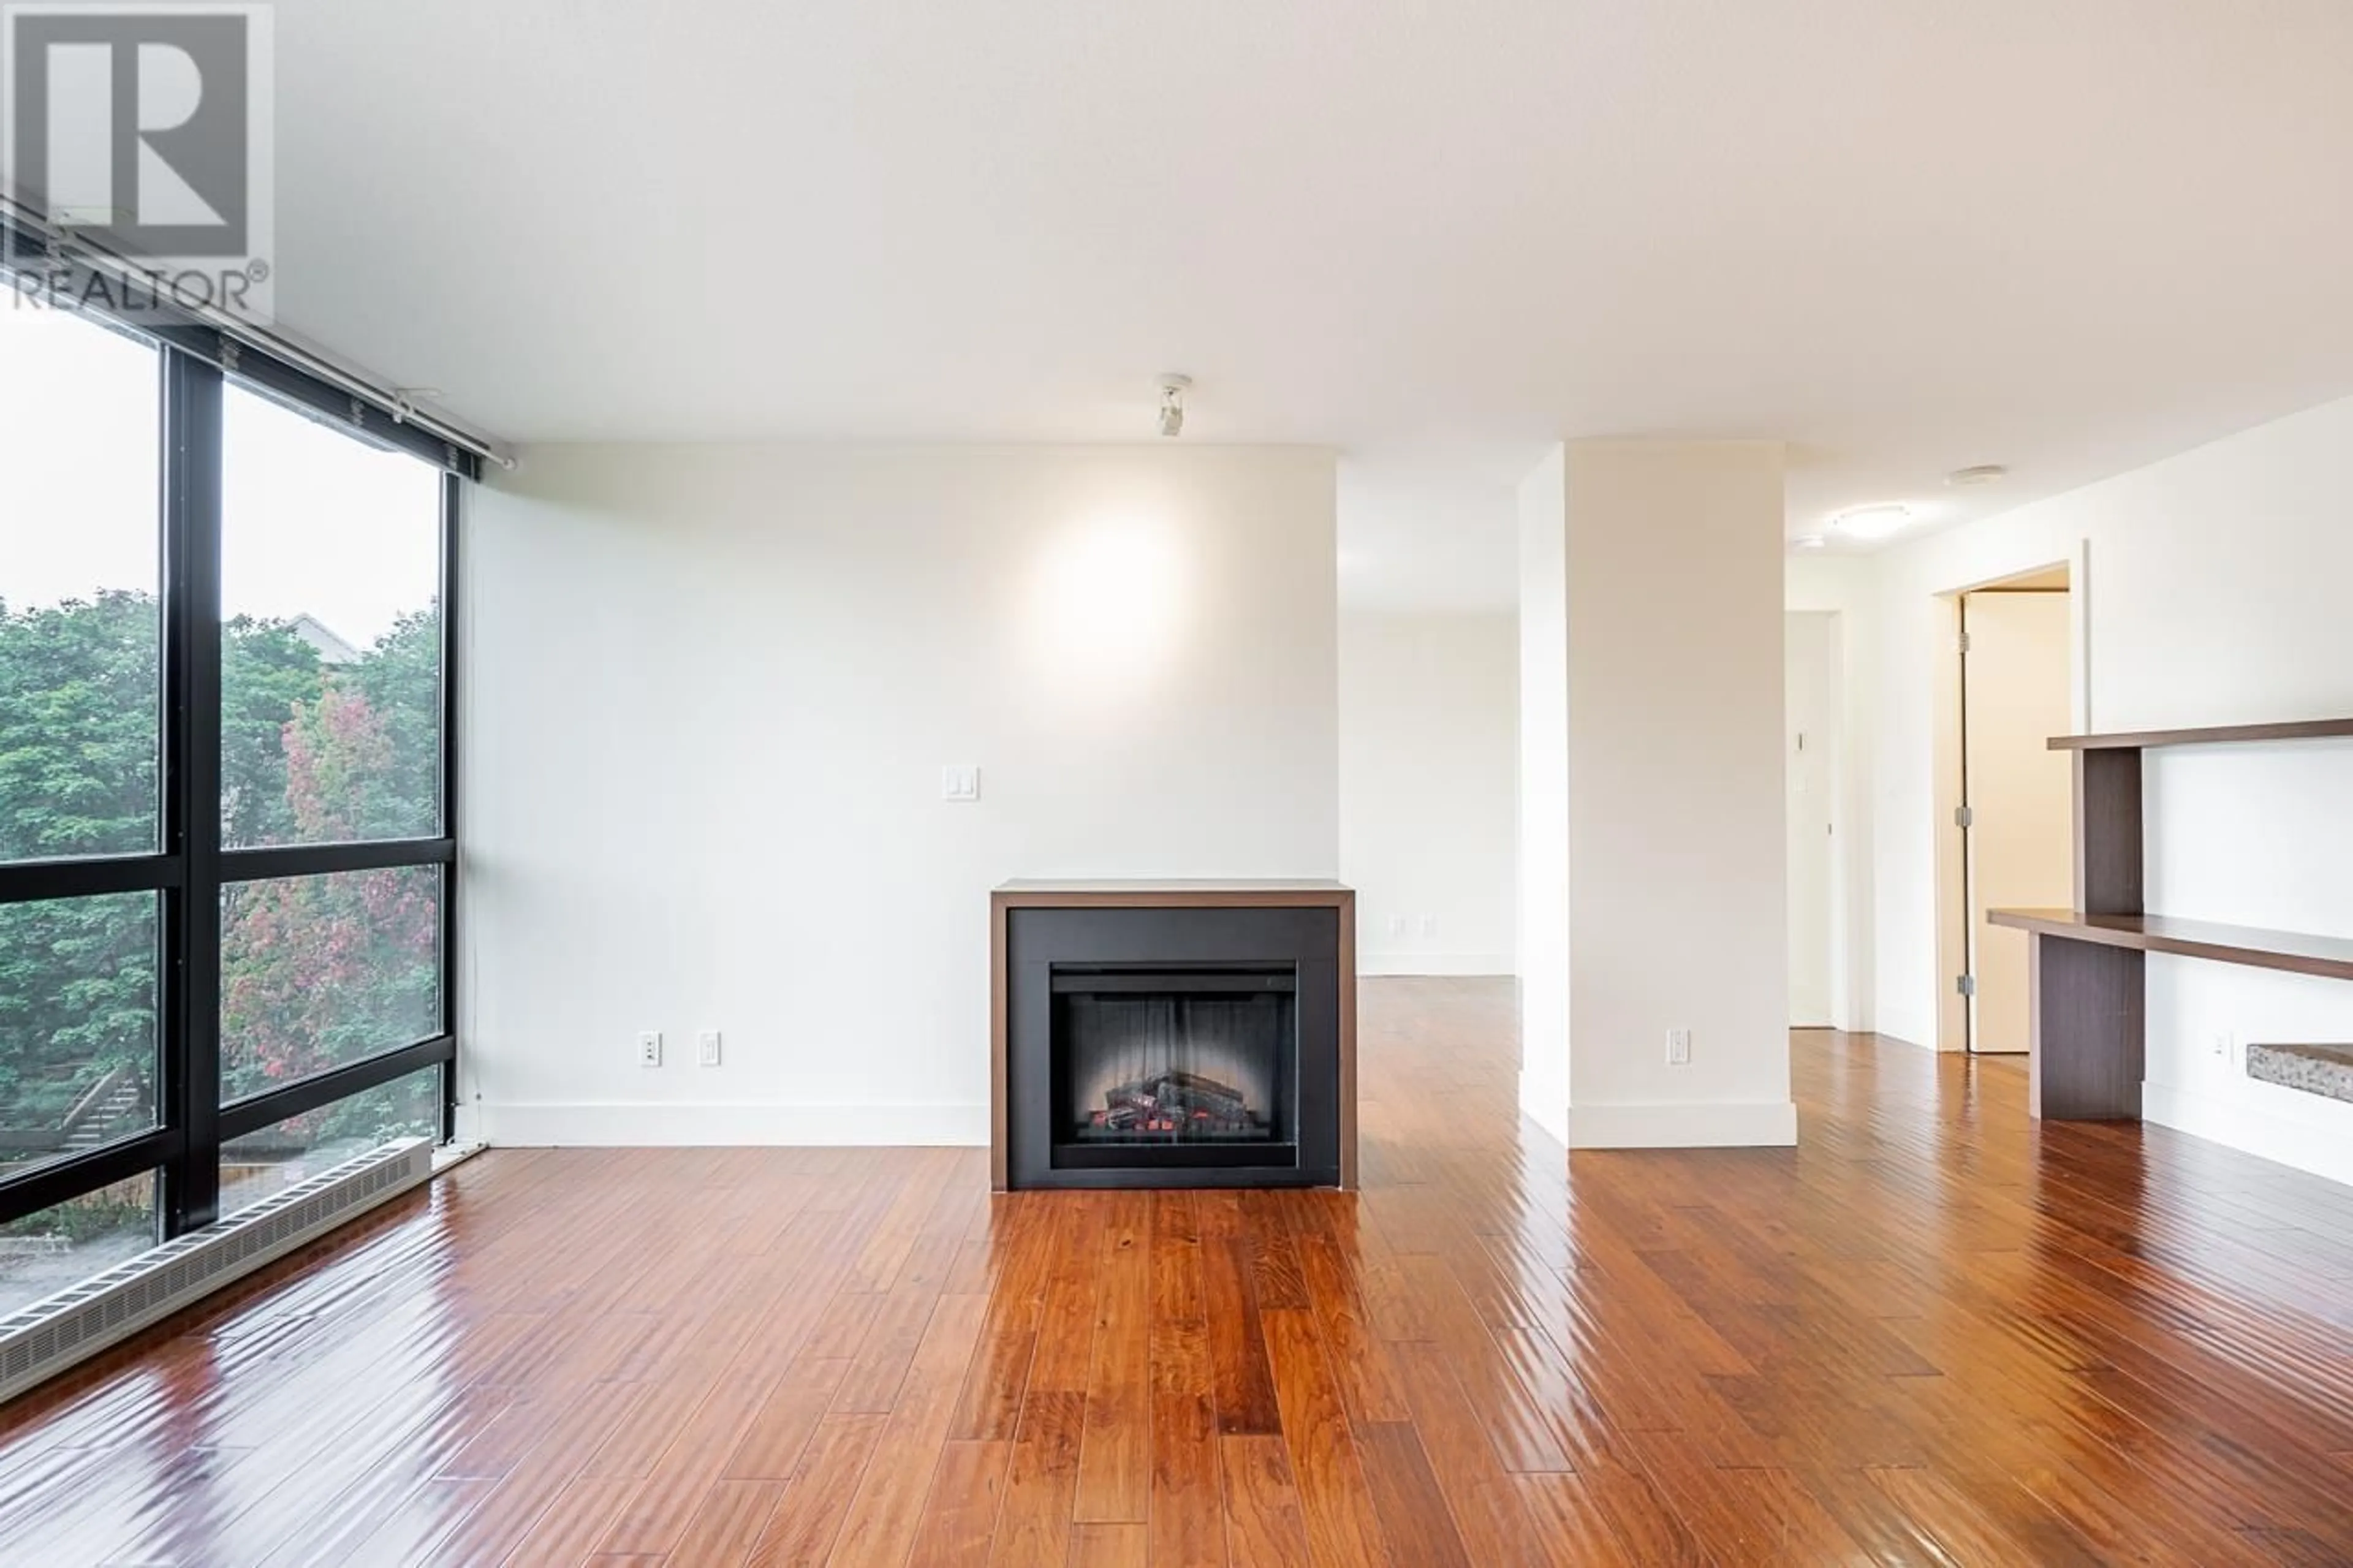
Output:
x=1933 y=1333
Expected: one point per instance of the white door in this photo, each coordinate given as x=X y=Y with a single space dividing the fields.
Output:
x=2020 y=794
x=1811 y=743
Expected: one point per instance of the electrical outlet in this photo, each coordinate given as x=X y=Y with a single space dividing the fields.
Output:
x=1679 y=1048
x=649 y=1049
x=706 y=1047
x=2224 y=1045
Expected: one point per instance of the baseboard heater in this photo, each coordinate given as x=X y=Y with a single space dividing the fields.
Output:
x=57 y=1331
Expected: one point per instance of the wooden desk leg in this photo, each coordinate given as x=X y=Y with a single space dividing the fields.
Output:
x=2089 y=1041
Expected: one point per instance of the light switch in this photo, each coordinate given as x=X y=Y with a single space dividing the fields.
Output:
x=960 y=781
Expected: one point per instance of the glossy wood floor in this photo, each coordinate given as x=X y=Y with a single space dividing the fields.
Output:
x=1932 y=1333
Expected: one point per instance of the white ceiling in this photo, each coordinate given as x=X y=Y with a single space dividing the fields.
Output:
x=1904 y=235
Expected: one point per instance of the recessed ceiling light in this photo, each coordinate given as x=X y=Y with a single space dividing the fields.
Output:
x=1809 y=541
x=1873 y=521
x=1982 y=474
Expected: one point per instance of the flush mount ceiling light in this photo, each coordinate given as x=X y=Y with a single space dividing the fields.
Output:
x=1172 y=404
x=1874 y=522
x=1982 y=474
x=1809 y=541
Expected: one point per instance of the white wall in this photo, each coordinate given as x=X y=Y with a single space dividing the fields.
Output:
x=1812 y=753
x=708 y=694
x=2213 y=591
x=1542 y=502
x=1846 y=588
x=1672 y=572
x=1428 y=788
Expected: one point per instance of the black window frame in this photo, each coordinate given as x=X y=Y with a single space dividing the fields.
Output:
x=191 y=865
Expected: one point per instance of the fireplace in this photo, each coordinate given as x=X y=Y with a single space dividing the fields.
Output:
x=1188 y=1045
x=1195 y=1065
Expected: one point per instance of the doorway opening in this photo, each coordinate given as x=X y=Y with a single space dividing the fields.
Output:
x=2013 y=678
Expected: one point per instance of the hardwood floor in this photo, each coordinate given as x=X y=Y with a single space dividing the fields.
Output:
x=1932 y=1333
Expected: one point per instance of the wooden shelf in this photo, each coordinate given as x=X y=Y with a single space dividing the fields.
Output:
x=2297 y=953
x=2088 y=1034
x=2221 y=735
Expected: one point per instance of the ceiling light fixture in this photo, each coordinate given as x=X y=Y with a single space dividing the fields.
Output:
x=1982 y=474
x=1172 y=404
x=1874 y=522
x=1810 y=541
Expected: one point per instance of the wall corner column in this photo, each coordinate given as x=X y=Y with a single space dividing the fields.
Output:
x=1654 y=840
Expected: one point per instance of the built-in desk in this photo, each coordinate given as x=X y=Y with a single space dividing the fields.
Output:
x=2087 y=972
x=2329 y=957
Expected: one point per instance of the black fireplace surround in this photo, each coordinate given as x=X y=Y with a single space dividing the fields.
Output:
x=1178 y=1047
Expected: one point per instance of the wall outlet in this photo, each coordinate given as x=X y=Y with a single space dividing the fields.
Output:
x=2224 y=1047
x=706 y=1047
x=649 y=1049
x=960 y=781
x=1679 y=1048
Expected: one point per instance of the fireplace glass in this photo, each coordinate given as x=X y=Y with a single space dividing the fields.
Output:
x=1175 y=1065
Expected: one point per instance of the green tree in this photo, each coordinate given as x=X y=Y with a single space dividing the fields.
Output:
x=316 y=971
x=401 y=678
x=266 y=672
x=320 y=971
x=79 y=705
x=79 y=700
x=77 y=1000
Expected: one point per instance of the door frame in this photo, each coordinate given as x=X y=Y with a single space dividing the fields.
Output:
x=1952 y=887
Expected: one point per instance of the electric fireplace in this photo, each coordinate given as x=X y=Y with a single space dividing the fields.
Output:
x=1196 y=1063
x=1172 y=1034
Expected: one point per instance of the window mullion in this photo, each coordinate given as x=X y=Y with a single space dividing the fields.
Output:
x=340 y=1083
x=452 y=500
x=33 y=881
x=192 y=528
x=45 y=1186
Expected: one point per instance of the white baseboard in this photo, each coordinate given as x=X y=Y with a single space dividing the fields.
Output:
x=2323 y=1152
x=732 y=1123
x=1447 y=964
x=1760 y=1124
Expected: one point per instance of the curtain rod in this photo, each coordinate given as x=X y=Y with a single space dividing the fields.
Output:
x=64 y=248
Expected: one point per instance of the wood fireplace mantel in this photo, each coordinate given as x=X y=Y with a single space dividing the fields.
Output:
x=1169 y=893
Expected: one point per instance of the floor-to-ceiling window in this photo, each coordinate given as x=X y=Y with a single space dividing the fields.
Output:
x=226 y=841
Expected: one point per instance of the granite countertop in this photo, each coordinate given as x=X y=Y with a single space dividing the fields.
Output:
x=2314 y=1069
